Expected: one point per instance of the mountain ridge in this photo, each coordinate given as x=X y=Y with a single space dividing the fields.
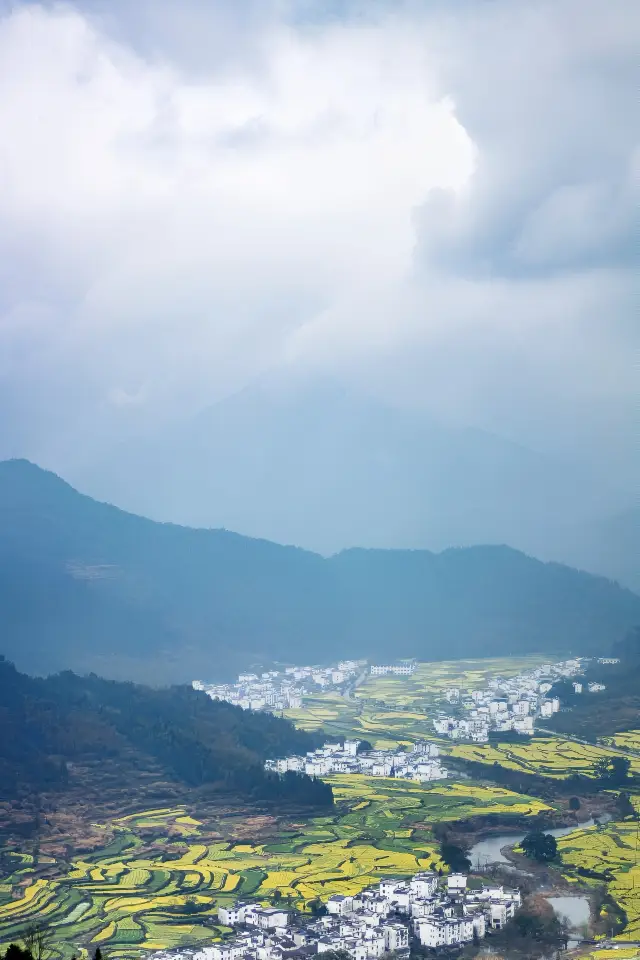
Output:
x=87 y=586
x=328 y=467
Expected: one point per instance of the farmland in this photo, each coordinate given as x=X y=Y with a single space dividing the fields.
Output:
x=393 y=710
x=152 y=880
x=630 y=740
x=612 y=849
x=157 y=881
x=546 y=756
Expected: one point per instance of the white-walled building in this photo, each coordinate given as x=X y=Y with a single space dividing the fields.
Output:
x=373 y=922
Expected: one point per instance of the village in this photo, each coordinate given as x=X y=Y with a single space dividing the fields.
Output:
x=514 y=704
x=421 y=763
x=277 y=690
x=436 y=911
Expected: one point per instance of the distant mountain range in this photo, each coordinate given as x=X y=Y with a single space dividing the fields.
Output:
x=84 y=585
x=327 y=468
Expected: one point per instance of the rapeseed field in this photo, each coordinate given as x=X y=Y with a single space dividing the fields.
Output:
x=155 y=893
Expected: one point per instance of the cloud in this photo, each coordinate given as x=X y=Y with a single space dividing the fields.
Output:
x=435 y=199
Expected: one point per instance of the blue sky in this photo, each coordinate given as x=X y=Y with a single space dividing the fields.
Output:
x=434 y=202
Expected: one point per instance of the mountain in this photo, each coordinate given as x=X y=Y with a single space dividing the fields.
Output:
x=88 y=734
x=326 y=467
x=84 y=585
x=611 y=543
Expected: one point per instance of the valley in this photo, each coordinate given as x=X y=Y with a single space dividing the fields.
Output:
x=144 y=879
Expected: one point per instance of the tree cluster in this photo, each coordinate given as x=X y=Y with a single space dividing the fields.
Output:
x=539 y=846
x=36 y=945
x=195 y=740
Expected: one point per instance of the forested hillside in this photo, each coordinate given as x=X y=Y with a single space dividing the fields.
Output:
x=68 y=732
x=609 y=711
x=86 y=586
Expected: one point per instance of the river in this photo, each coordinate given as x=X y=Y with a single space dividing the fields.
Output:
x=489 y=850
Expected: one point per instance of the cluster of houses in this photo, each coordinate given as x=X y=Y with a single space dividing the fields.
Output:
x=382 y=919
x=421 y=763
x=508 y=704
x=403 y=668
x=276 y=690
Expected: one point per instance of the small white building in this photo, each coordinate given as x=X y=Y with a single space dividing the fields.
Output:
x=396 y=936
x=339 y=905
x=456 y=882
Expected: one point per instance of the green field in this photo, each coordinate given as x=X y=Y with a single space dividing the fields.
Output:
x=145 y=892
x=157 y=878
x=546 y=756
x=630 y=740
x=389 y=711
x=613 y=848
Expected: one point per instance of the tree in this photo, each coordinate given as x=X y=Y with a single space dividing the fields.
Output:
x=455 y=857
x=15 y=952
x=539 y=846
x=625 y=806
x=98 y=954
x=317 y=908
x=574 y=803
x=37 y=939
x=612 y=770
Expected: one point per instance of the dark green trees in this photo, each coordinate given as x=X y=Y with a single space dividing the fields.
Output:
x=539 y=846
x=614 y=771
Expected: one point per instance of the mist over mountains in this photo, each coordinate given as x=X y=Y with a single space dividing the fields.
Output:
x=86 y=586
x=326 y=467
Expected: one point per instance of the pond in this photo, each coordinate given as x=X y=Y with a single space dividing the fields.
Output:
x=489 y=850
x=575 y=909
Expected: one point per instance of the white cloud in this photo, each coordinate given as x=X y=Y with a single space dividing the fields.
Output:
x=437 y=198
x=185 y=225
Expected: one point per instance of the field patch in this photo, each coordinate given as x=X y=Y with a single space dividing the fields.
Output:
x=611 y=850
x=544 y=756
x=143 y=891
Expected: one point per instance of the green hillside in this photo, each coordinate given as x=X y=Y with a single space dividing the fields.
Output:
x=93 y=737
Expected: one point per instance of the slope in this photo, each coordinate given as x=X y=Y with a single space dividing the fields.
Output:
x=87 y=586
x=82 y=733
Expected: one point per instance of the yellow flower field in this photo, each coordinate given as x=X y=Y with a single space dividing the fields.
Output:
x=140 y=899
x=613 y=849
x=549 y=756
x=630 y=740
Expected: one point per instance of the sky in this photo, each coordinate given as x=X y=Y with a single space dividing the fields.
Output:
x=435 y=203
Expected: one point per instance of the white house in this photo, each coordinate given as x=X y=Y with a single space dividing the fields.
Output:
x=396 y=936
x=267 y=918
x=339 y=905
x=456 y=882
x=423 y=884
x=229 y=916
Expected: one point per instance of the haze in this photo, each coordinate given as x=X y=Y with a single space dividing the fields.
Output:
x=329 y=273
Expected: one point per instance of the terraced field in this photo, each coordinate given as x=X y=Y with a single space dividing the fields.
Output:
x=630 y=740
x=613 y=849
x=158 y=882
x=390 y=711
x=548 y=756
